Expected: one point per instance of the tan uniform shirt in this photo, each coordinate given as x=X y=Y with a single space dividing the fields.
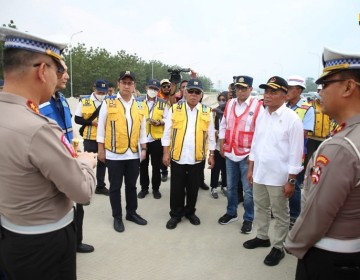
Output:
x=331 y=199
x=39 y=178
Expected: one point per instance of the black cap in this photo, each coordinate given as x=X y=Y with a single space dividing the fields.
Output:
x=194 y=83
x=127 y=73
x=276 y=82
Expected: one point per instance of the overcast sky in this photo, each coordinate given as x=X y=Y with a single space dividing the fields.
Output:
x=219 y=39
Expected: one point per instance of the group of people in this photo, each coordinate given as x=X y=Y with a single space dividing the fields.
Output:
x=260 y=145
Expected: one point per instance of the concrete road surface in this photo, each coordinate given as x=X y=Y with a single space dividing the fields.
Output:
x=205 y=252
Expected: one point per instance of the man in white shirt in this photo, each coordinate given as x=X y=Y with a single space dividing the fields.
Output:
x=236 y=133
x=274 y=161
x=120 y=133
x=189 y=129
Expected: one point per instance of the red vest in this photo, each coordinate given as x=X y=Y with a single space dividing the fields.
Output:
x=240 y=130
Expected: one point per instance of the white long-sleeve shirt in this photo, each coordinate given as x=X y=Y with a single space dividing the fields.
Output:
x=188 y=150
x=277 y=146
x=101 y=130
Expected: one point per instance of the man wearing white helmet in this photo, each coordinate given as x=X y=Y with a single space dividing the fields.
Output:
x=306 y=113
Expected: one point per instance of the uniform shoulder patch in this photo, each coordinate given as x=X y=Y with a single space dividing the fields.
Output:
x=67 y=145
x=322 y=159
x=315 y=174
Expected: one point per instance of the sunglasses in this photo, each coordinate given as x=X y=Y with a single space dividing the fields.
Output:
x=60 y=70
x=197 y=92
x=165 y=86
x=221 y=99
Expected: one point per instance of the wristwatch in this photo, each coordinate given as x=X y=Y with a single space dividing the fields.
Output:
x=292 y=181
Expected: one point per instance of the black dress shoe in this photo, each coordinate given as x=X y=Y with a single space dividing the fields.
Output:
x=84 y=248
x=164 y=177
x=193 y=219
x=118 y=225
x=103 y=191
x=172 y=223
x=205 y=187
x=274 y=257
x=256 y=242
x=156 y=194
x=142 y=194
x=136 y=219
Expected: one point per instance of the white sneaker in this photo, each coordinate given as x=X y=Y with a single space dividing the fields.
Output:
x=214 y=193
x=224 y=191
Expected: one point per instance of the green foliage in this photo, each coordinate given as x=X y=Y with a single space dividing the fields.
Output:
x=10 y=25
x=310 y=85
x=91 y=64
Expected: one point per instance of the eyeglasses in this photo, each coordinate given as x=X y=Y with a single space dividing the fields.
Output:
x=241 y=88
x=129 y=84
x=325 y=83
x=191 y=91
x=165 y=86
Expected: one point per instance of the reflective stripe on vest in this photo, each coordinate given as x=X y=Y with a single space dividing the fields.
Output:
x=88 y=108
x=322 y=123
x=180 y=121
x=117 y=139
x=53 y=110
x=240 y=130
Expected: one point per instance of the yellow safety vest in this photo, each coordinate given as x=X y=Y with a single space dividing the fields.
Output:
x=301 y=111
x=158 y=108
x=322 y=123
x=180 y=121
x=117 y=138
x=88 y=108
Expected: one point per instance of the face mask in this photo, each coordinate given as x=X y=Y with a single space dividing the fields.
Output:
x=151 y=93
x=100 y=97
x=222 y=104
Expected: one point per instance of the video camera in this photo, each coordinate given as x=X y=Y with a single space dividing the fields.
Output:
x=175 y=76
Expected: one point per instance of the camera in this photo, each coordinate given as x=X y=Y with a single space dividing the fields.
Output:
x=175 y=76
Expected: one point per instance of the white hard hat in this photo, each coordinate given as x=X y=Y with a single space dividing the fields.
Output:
x=296 y=80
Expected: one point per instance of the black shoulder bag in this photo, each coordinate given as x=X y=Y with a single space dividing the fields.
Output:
x=93 y=117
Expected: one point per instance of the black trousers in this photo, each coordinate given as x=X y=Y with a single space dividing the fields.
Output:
x=215 y=172
x=312 y=146
x=184 y=187
x=50 y=256
x=79 y=218
x=325 y=265
x=92 y=146
x=155 y=150
x=129 y=170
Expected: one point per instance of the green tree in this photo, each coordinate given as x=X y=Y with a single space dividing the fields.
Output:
x=310 y=84
x=10 y=25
